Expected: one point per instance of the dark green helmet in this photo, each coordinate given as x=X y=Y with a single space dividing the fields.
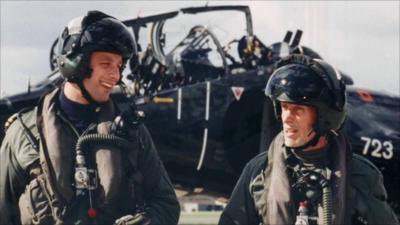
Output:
x=94 y=32
x=302 y=80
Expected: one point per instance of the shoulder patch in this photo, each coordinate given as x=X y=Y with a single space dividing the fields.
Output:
x=10 y=121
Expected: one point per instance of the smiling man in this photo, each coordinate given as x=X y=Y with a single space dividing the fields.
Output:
x=76 y=158
x=105 y=75
x=309 y=175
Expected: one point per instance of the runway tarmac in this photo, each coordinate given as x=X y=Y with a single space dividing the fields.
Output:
x=199 y=218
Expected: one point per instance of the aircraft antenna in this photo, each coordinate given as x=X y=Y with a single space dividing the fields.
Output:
x=29 y=84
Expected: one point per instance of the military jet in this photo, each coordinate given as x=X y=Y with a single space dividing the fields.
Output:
x=205 y=105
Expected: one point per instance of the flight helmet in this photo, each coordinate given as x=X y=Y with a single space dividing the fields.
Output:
x=83 y=35
x=303 y=80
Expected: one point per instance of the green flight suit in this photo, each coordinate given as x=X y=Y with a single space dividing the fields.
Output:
x=366 y=196
x=18 y=157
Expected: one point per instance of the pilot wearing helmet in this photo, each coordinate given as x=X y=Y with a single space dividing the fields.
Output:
x=77 y=158
x=309 y=174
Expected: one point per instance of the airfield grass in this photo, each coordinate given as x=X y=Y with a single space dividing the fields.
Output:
x=199 y=218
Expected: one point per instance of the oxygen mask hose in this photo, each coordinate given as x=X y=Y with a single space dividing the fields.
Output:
x=102 y=139
x=326 y=202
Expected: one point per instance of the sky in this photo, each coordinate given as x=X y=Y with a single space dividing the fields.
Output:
x=360 y=38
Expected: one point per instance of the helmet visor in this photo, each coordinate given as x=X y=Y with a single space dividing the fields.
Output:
x=295 y=83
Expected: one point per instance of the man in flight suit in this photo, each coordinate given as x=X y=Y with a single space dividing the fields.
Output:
x=309 y=174
x=77 y=158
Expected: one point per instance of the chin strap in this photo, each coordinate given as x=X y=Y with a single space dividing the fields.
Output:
x=310 y=143
x=90 y=99
x=86 y=94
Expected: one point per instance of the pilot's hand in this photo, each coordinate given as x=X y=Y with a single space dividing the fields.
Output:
x=137 y=219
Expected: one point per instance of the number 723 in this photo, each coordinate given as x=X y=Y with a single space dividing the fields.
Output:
x=377 y=148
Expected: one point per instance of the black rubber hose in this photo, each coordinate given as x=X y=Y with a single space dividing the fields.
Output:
x=104 y=139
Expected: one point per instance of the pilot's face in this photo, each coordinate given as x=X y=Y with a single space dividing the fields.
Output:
x=298 y=122
x=105 y=75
